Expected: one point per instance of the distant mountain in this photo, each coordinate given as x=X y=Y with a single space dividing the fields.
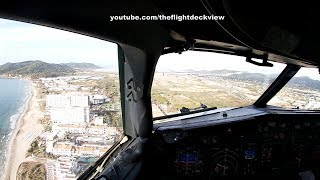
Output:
x=219 y=71
x=81 y=65
x=35 y=69
x=296 y=82
x=304 y=81
x=246 y=76
x=222 y=71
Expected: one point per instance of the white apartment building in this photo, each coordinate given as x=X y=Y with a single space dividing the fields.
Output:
x=57 y=100
x=69 y=115
x=68 y=109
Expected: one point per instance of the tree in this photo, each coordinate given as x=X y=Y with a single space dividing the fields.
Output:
x=34 y=145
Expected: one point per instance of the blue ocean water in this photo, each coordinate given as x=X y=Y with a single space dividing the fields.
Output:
x=13 y=97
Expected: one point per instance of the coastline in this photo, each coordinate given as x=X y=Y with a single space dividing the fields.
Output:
x=26 y=123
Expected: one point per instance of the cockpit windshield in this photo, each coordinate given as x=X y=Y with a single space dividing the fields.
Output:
x=199 y=80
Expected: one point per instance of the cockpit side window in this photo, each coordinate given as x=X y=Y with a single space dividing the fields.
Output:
x=59 y=101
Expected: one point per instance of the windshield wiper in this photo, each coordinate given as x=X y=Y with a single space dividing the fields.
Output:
x=188 y=110
x=202 y=108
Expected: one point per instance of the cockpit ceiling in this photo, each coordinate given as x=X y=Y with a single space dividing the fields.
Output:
x=285 y=29
x=233 y=49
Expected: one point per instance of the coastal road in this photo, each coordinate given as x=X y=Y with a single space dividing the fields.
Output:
x=31 y=136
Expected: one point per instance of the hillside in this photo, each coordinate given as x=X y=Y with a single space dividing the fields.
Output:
x=31 y=171
x=35 y=69
x=304 y=82
x=81 y=65
x=218 y=71
x=254 y=77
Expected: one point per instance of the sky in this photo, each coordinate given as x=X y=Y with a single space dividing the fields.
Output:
x=22 y=41
x=209 y=61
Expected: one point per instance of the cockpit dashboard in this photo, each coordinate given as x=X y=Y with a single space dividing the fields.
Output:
x=267 y=145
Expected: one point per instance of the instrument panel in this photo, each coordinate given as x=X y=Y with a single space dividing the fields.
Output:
x=264 y=148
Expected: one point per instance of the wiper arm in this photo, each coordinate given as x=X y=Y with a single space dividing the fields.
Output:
x=188 y=110
x=182 y=114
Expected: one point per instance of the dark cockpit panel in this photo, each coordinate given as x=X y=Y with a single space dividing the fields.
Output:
x=277 y=146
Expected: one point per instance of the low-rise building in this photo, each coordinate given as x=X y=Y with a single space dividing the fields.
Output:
x=98 y=120
x=85 y=129
x=51 y=173
x=65 y=168
x=98 y=99
x=70 y=149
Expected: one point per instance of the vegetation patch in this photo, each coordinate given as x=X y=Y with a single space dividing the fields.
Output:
x=31 y=171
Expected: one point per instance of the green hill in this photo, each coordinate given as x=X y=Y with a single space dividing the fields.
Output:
x=35 y=69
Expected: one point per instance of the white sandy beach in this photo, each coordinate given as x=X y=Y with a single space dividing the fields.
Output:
x=25 y=131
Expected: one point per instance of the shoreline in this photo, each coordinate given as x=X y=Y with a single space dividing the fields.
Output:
x=12 y=160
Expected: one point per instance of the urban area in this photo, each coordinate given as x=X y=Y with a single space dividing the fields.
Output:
x=81 y=122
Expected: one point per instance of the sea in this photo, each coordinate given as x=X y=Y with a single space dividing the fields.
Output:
x=13 y=98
